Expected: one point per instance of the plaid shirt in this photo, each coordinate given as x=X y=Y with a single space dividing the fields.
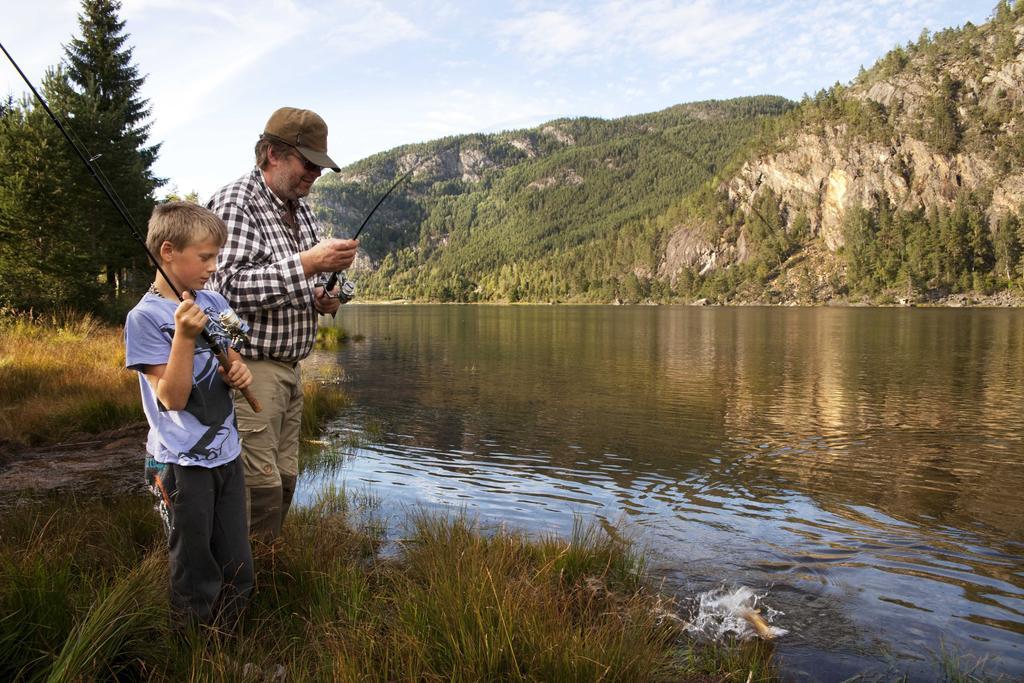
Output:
x=259 y=272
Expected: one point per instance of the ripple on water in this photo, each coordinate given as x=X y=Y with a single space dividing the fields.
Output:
x=865 y=467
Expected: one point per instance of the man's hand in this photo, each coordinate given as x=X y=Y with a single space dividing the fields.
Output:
x=326 y=305
x=238 y=377
x=189 y=319
x=329 y=256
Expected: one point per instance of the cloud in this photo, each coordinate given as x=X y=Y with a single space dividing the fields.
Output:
x=217 y=46
x=360 y=27
x=755 y=45
x=34 y=39
x=700 y=31
x=386 y=73
x=546 y=36
x=604 y=32
x=481 y=109
x=833 y=33
x=210 y=47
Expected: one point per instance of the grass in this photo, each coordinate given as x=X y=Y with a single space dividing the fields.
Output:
x=322 y=400
x=959 y=667
x=83 y=597
x=83 y=584
x=63 y=376
x=331 y=338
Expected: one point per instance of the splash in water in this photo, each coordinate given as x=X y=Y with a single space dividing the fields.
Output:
x=722 y=613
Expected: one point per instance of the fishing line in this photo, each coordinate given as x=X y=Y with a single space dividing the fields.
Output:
x=93 y=157
x=93 y=170
x=214 y=345
x=348 y=288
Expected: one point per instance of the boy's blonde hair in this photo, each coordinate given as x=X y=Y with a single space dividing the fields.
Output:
x=182 y=224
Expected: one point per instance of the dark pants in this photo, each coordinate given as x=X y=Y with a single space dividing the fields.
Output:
x=203 y=510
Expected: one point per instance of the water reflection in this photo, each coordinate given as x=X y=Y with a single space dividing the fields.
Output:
x=865 y=464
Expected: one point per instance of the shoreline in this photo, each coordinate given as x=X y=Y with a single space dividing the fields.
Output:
x=105 y=464
x=1003 y=299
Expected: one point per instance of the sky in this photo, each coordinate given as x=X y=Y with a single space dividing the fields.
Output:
x=384 y=74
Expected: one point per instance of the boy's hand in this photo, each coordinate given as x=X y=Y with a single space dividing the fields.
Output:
x=238 y=377
x=189 y=319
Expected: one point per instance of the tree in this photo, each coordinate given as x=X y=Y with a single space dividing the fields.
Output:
x=63 y=243
x=944 y=132
x=101 y=93
x=1006 y=246
x=41 y=266
x=860 y=228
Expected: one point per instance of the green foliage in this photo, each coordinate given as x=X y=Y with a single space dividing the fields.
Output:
x=322 y=400
x=64 y=243
x=943 y=132
x=574 y=210
x=52 y=562
x=83 y=588
x=769 y=242
x=951 y=250
x=331 y=337
x=582 y=210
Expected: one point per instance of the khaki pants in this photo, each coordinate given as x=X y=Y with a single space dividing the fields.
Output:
x=270 y=444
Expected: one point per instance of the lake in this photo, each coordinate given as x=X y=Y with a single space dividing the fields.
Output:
x=862 y=468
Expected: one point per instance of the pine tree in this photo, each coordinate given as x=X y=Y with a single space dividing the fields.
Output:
x=101 y=96
x=44 y=264
x=63 y=244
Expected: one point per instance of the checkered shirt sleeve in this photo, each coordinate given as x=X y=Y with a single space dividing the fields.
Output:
x=259 y=271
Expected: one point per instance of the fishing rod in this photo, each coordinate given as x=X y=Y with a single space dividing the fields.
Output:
x=348 y=288
x=228 y=318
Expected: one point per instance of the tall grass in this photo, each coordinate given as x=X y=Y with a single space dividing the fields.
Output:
x=331 y=337
x=114 y=634
x=322 y=400
x=63 y=375
x=83 y=593
x=56 y=560
x=60 y=375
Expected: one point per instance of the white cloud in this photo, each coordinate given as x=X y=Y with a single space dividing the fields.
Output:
x=211 y=47
x=217 y=45
x=482 y=109
x=546 y=36
x=824 y=42
x=34 y=35
x=700 y=30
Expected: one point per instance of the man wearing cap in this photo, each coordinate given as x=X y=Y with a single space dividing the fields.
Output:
x=272 y=271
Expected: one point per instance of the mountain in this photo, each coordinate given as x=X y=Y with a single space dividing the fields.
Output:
x=570 y=210
x=906 y=184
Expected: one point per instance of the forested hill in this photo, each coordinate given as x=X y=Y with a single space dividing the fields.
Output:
x=571 y=210
x=906 y=184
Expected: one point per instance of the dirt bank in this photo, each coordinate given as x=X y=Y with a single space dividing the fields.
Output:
x=101 y=464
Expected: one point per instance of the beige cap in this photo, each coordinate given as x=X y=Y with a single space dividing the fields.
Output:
x=304 y=130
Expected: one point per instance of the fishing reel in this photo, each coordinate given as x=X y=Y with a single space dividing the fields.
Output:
x=236 y=328
x=346 y=289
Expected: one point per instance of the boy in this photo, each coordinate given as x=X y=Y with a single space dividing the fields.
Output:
x=192 y=460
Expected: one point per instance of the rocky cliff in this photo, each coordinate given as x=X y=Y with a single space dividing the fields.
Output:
x=929 y=122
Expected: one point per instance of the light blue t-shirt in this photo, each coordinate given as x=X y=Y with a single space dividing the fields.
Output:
x=205 y=432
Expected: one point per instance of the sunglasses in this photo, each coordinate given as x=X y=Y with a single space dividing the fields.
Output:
x=309 y=165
